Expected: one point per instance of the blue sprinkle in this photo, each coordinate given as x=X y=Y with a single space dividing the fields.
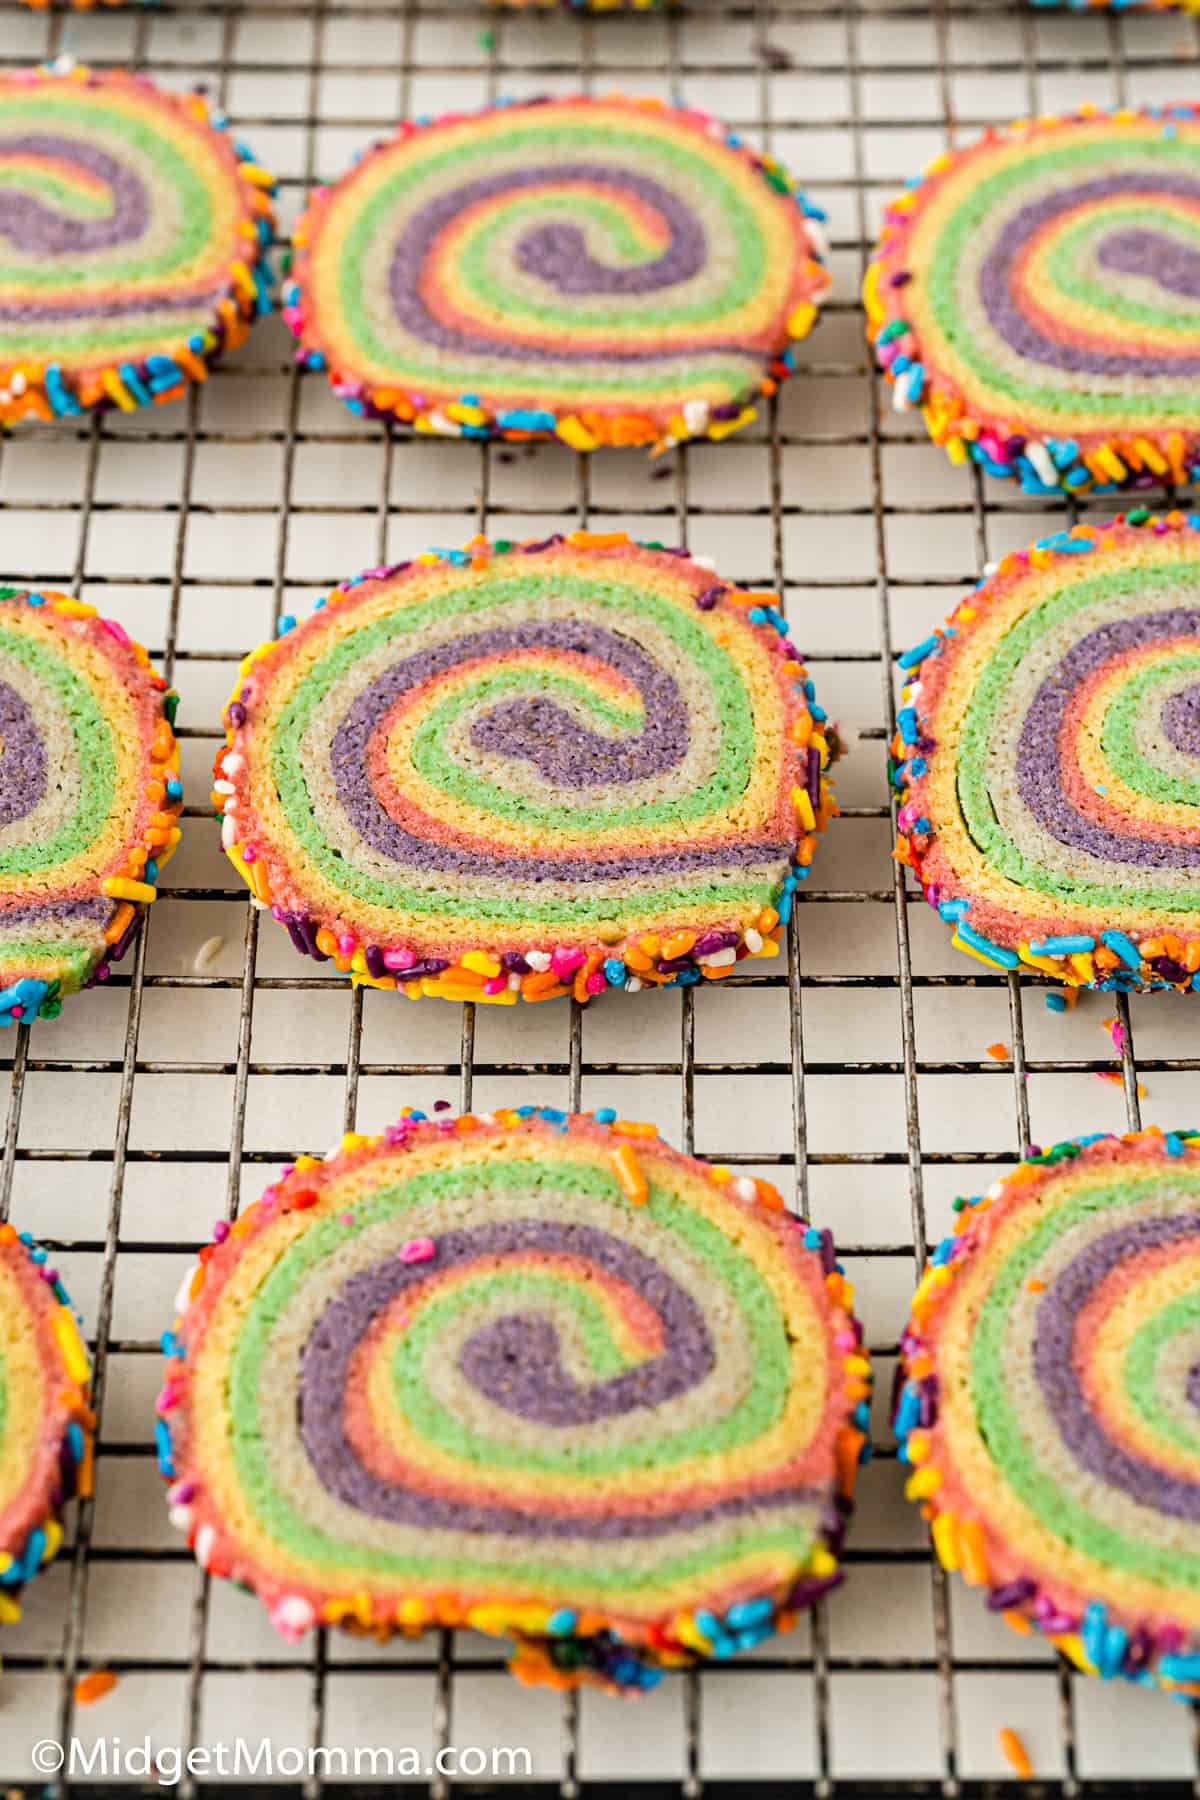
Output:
x=554 y=1114
x=615 y=972
x=812 y=1238
x=1056 y=1002
x=1173 y=1144
x=918 y=653
x=604 y=1115
x=561 y=1623
x=162 y=1445
x=1008 y=959
x=1076 y=944
x=953 y=909
x=1124 y=947
x=174 y=789
x=746 y=1614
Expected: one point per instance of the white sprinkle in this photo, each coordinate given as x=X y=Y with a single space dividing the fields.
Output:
x=719 y=959
x=180 y=1517
x=207 y=954
x=183 y=1297
x=1043 y=462
x=232 y=761
x=228 y=833
x=695 y=415
x=18 y=384
x=206 y=1543
x=633 y=985
x=753 y=940
x=745 y=1188
x=224 y=787
x=538 y=959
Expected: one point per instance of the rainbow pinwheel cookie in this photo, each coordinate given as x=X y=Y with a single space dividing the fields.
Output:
x=530 y=1373
x=1048 y=1404
x=1048 y=752
x=90 y=797
x=610 y=271
x=45 y=1418
x=1035 y=295
x=133 y=236
x=528 y=770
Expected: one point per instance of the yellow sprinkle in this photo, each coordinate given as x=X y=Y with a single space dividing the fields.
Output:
x=120 y=887
x=804 y=808
x=801 y=320
x=116 y=390
x=923 y=1483
x=481 y=963
x=945 y=1540
x=576 y=434
x=74 y=1354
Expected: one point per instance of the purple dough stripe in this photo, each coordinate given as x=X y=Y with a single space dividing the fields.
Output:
x=516 y=1363
x=558 y=255
x=1039 y=779
x=1160 y=260
x=536 y=729
x=37 y=230
x=1057 y=1319
x=22 y=757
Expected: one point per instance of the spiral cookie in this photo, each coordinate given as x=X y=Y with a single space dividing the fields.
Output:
x=610 y=271
x=1050 y=1401
x=527 y=1372
x=133 y=234
x=528 y=770
x=1038 y=296
x=1049 y=755
x=89 y=796
x=45 y=1422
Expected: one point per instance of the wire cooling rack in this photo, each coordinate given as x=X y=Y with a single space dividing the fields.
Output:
x=859 y=1074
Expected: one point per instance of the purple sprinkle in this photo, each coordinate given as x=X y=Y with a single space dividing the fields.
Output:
x=235 y=712
x=708 y=599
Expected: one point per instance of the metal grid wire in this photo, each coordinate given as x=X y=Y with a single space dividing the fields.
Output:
x=801 y=73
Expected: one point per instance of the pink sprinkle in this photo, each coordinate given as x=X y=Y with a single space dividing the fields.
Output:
x=249 y=853
x=346 y=1218
x=418 y=1250
x=595 y=983
x=564 y=962
x=220 y=1231
x=346 y=944
x=115 y=630
x=399 y=959
x=17 y=1012
x=496 y=985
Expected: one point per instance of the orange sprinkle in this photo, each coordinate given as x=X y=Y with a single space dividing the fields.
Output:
x=629 y=1173
x=1001 y=1052
x=1015 y=1754
x=93 y=1687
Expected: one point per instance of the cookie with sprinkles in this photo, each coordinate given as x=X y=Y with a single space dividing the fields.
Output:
x=612 y=271
x=133 y=236
x=90 y=797
x=45 y=1418
x=1048 y=752
x=528 y=770
x=531 y=1373
x=1037 y=295
x=1048 y=1401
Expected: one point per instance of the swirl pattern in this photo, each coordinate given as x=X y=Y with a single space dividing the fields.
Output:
x=1049 y=752
x=1050 y=1406
x=1038 y=295
x=90 y=797
x=612 y=271
x=133 y=233
x=534 y=769
x=533 y=1373
x=45 y=1421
